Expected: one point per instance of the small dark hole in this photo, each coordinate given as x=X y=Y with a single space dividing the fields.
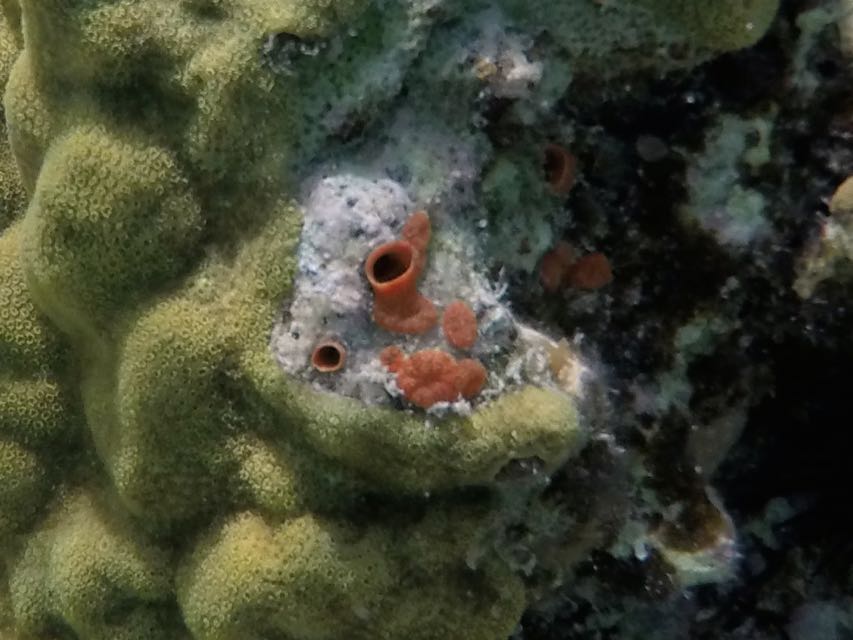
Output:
x=391 y=266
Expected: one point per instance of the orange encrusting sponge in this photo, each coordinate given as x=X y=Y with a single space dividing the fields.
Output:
x=591 y=271
x=559 y=268
x=393 y=270
x=459 y=325
x=430 y=376
x=554 y=266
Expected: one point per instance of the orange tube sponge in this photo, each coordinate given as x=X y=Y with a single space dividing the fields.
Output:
x=459 y=325
x=329 y=356
x=592 y=271
x=430 y=376
x=393 y=270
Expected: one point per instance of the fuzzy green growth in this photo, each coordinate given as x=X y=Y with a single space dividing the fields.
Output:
x=724 y=25
x=609 y=37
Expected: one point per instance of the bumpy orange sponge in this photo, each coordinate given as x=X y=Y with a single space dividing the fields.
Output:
x=393 y=270
x=430 y=376
x=554 y=266
x=560 y=268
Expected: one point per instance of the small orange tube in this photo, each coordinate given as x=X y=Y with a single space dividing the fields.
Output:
x=329 y=356
x=393 y=269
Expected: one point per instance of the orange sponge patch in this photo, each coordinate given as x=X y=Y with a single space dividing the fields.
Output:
x=459 y=325
x=393 y=358
x=428 y=377
x=470 y=377
x=559 y=268
x=592 y=271
x=431 y=376
x=554 y=266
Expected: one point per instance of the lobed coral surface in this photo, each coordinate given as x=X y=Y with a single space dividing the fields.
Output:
x=188 y=192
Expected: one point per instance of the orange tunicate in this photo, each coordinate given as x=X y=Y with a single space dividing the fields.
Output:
x=470 y=377
x=459 y=325
x=554 y=266
x=430 y=376
x=592 y=271
x=392 y=269
x=560 y=169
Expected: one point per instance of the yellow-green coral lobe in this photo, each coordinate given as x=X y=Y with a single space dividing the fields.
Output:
x=91 y=570
x=725 y=25
x=310 y=577
x=23 y=487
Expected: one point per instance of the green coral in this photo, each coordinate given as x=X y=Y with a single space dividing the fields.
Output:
x=725 y=25
x=311 y=577
x=608 y=36
x=12 y=196
x=152 y=146
x=39 y=414
x=90 y=570
x=24 y=486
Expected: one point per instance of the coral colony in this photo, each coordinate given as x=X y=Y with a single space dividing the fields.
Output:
x=398 y=320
